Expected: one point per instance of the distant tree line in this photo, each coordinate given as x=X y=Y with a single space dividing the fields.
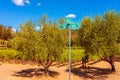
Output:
x=6 y=32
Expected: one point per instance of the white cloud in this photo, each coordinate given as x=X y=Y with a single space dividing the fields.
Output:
x=71 y=16
x=14 y=29
x=39 y=4
x=27 y=1
x=21 y=2
x=39 y=27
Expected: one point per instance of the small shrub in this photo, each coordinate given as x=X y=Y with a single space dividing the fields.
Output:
x=10 y=54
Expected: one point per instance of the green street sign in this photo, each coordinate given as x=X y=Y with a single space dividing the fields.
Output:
x=70 y=24
x=67 y=20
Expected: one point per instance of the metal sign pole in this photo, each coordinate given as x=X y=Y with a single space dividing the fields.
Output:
x=70 y=25
x=69 y=54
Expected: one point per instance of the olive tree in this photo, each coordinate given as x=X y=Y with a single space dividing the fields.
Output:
x=100 y=36
x=45 y=45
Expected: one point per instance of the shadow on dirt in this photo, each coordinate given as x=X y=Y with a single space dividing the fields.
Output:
x=117 y=59
x=94 y=62
x=91 y=72
x=34 y=72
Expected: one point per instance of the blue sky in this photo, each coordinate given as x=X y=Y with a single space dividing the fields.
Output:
x=15 y=12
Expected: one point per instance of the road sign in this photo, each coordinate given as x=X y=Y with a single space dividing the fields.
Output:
x=70 y=24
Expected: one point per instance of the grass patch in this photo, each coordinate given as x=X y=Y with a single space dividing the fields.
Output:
x=10 y=54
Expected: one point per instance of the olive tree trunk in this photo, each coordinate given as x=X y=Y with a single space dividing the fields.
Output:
x=46 y=65
x=110 y=60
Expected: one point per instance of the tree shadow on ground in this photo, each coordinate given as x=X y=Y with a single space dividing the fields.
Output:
x=91 y=72
x=34 y=72
x=117 y=59
x=94 y=62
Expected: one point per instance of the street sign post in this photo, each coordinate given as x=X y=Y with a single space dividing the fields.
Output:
x=70 y=25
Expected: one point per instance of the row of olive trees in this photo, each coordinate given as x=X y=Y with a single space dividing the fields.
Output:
x=45 y=45
x=101 y=36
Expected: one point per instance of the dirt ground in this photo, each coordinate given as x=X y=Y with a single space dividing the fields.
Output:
x=95 y=71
